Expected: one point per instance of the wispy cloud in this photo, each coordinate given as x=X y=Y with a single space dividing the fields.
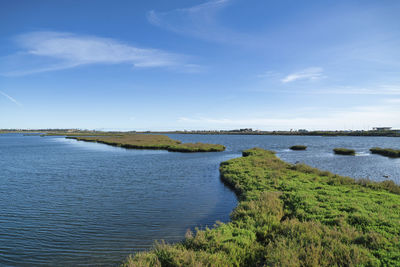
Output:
x=49 y=51
x=11 y=98
x=200 y=21
x=205 y=11
x=313 y=73
x=270 y=75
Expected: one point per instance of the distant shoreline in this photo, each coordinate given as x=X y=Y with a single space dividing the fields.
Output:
x=72 y=132
x=311 y=133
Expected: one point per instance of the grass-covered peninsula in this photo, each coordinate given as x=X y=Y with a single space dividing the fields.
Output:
x=387 y=152
x=292 y=215
x=344 y=151
x=150 y=141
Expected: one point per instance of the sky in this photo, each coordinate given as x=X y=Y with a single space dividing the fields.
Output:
x=191 y=64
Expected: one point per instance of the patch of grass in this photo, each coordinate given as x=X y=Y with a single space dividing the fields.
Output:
x=292 y=215
x=387 y=152
x=344 y=151
x=298 y=147
x=150 y=141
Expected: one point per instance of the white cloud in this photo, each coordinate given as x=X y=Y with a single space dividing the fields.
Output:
x=11 y=98
x=313 y=73
x=205 y=11
x=56 y=50
x=201 y=21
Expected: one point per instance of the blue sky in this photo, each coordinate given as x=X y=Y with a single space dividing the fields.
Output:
x=220 y=64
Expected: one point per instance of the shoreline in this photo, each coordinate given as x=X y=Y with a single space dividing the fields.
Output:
x=68 y=132
x=287 y=133
x=276 y=197
x=154 y=142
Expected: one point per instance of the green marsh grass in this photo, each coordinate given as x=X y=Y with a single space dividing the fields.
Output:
x=387 y=152
x=292 y=215
x=344 y=151
x=150 y=141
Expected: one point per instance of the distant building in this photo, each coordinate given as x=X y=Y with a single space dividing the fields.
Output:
x=382 y=128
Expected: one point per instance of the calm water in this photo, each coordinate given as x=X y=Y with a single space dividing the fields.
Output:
x=64 y=202
x=319 y=152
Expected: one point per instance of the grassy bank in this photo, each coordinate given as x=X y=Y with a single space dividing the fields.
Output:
x=344 y=151
x=387 y=152
x=298 y=147
x=292 y=215
x=150 y=141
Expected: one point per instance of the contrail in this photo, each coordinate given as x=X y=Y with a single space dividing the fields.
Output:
x=11 y=98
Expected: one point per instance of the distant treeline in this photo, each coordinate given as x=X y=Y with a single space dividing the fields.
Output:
x=389 y=133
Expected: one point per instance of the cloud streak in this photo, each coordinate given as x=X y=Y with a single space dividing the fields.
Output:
x=314 y=73
x=49 y=51
x=201 y=22
x=11 y=98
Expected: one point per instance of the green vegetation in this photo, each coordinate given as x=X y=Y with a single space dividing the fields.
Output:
x=298 y=147
x=150 y=141
x=388 y=152
x=344 y=151
x=292 y=215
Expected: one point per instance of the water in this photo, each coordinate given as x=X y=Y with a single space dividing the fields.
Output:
x=64 y=202
x=319 y=153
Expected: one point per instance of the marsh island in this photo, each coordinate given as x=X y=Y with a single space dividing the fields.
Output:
x=150 y=141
